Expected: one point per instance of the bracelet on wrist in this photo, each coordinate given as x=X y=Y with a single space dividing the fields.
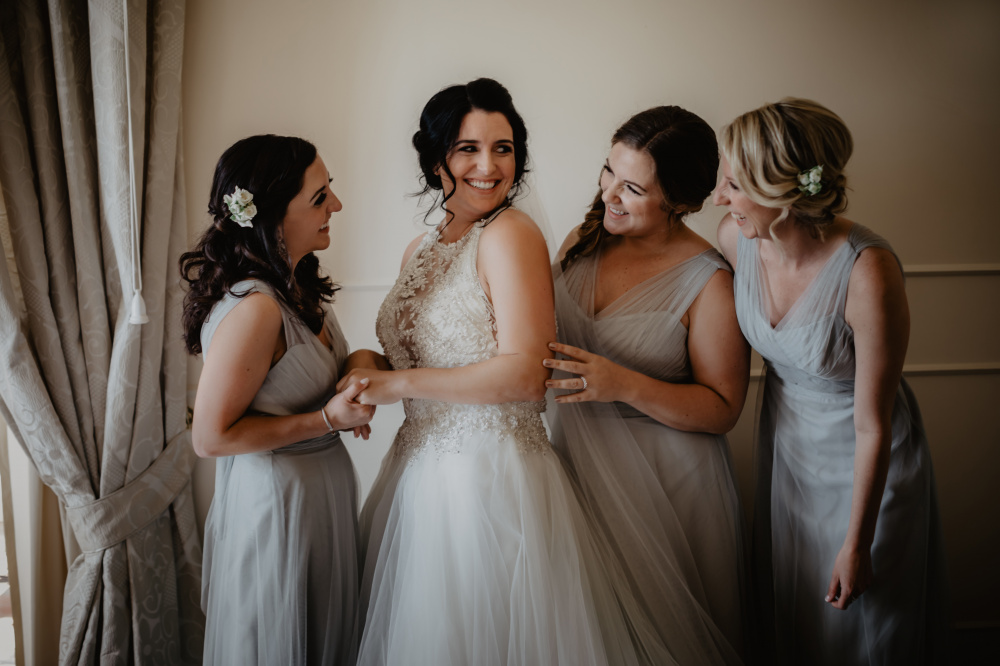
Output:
x=326 y=419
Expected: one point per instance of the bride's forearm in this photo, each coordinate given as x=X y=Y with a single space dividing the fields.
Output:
x=504 y=378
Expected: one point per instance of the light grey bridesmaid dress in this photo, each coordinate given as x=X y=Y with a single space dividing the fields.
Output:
x=664 y=499
x=806 y=477
x=280 y=574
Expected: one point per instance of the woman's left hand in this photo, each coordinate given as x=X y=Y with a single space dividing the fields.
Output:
x=599 y=380
x=384 y=387
x=852 y=574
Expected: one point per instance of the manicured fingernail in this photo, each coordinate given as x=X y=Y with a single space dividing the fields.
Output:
x=826 y=598
x=547 y=363
x=364 y=380
x=552 y=345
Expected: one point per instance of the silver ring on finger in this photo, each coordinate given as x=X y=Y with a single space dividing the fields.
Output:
x=584 y=379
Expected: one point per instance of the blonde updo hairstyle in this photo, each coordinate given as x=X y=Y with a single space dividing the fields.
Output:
x=769 y=147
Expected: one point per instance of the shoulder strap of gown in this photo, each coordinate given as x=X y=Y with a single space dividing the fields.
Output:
x=860 y=238
x=229 y=301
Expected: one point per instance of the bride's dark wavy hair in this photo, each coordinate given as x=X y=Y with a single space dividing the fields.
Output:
x=440 y=122
x=686 y=155
x=272 y=168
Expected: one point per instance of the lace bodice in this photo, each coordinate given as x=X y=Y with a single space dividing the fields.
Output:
x=437 y=316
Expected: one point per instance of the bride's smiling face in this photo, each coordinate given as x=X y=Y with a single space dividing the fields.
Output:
x=482 y=163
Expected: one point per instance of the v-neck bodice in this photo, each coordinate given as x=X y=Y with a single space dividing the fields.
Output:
x=643 y=328
x=832 y=263
x=812 y=342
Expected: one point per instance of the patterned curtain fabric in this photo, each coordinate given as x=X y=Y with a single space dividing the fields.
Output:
x=99 y=403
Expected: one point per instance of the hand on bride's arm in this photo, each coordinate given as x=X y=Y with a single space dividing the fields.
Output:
x=384 y=387
x=597 y=379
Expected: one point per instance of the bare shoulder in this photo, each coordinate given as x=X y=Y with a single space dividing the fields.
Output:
x=876 y=293
x=876 y=271
x=572 y=238
x=512 y=249
x=717 y=292
x=728 y=230
x=258 y=306
x=410 y=249
x=512 y=228
x=255 y=321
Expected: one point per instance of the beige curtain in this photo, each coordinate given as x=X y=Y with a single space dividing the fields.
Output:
x=37 y=563
x=97 y=402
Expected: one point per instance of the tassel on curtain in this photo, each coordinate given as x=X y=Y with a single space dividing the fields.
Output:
x=98 y=403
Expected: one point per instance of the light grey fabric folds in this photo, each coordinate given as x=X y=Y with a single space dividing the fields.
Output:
x=664 y=500
x=281 y=570
x=100 y=403
x=806 y=480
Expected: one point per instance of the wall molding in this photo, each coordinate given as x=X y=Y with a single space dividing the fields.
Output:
x=951 y=369
x=930 y=369
x=950 y=270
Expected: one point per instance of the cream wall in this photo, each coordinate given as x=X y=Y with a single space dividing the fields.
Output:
x=915 y=81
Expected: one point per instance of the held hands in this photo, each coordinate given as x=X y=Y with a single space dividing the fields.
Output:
x=346 y=413
x=599 y=380
x=852 y=574
x=382 y=387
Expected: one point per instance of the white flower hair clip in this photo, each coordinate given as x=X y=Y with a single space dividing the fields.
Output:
x=809 y=180
x=241 y=207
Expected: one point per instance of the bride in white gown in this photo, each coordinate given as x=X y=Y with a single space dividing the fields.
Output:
x=477 y=550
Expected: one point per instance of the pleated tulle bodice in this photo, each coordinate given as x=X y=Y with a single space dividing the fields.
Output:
x=437 y=316
x=642 y=329
x=812 y=346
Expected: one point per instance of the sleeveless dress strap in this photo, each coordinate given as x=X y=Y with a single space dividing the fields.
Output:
x=225 y=305
x=701 y=269
x=859 y=238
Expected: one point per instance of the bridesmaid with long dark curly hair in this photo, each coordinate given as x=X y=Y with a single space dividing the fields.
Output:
x=281 y=565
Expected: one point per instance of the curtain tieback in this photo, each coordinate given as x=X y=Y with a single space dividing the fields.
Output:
x=110 y=520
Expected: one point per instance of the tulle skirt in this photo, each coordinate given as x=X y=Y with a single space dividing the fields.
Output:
x=694 y=472
x=482 y=556
x=806 y=481
x=281 y=575
x=666 y=503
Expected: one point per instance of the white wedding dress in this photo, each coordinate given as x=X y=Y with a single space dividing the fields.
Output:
x=477 y=548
